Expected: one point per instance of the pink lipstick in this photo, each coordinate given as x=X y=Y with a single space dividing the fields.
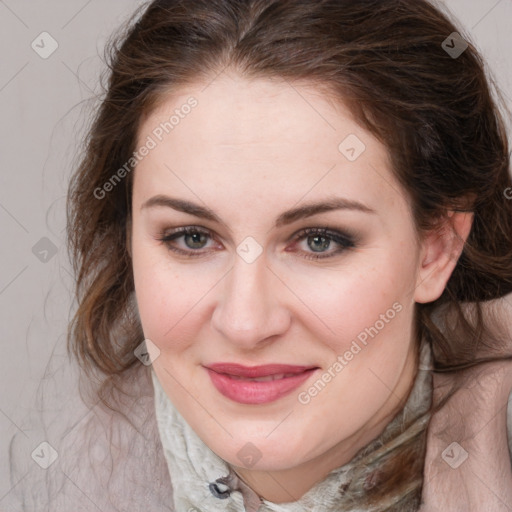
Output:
x=257 y=384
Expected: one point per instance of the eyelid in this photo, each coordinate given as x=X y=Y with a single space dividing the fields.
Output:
x=349 y=235
x=168 y=234
x=344 y=234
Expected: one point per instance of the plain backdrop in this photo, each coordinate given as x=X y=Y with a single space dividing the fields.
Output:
x=45 y=103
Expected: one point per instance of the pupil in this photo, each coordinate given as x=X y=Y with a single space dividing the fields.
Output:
x=196 y=238
x=324 y=245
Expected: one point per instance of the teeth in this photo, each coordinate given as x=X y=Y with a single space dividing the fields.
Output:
x=264 y=379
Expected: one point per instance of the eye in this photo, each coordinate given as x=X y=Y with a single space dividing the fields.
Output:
x=194 y=238
x=319 y=240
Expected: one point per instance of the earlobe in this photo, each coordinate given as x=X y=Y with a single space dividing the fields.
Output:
x=441 y=249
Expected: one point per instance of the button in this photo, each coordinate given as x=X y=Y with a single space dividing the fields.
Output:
x=215 y=490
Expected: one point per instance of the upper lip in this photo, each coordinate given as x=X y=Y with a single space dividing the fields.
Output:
x=239 y=370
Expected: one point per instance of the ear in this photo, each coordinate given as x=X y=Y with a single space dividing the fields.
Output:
x=440 y=251
x=129 y=236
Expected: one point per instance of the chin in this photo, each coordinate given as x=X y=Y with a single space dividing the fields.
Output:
x=263 y=455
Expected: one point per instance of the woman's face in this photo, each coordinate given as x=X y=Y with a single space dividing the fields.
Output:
x=256 y=163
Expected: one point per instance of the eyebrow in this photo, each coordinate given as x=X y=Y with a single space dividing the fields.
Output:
x=287 y=217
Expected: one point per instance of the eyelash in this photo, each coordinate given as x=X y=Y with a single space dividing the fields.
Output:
x=345 y=240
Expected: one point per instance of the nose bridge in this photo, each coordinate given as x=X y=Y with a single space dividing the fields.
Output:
x=249 y=309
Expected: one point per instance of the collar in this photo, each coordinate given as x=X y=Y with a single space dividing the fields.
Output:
x=203 y=482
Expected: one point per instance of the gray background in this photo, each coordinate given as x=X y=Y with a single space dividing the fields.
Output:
x=45 y=104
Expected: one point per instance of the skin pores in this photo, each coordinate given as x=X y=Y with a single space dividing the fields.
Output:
x=249 y=151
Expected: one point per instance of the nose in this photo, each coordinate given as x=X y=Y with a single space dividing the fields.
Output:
x=251 y=309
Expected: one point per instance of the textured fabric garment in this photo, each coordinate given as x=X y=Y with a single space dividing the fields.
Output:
x=203 y=482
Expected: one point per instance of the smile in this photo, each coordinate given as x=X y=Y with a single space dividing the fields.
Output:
x=261 y=389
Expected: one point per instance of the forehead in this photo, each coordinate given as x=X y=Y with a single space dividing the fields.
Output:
x=233 y=110
x=263 y=137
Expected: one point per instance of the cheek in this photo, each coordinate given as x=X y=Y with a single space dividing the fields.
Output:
x=347 y=302
x=166 y=296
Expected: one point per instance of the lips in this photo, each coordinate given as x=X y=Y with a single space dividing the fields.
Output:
x=257 y=384
x=254 y=372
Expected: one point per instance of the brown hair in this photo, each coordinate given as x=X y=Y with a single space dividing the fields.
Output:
x=385 y=60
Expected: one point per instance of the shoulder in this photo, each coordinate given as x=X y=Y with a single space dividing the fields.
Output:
x=468 y=460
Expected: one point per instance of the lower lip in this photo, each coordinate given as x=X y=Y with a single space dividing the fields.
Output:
x=251 y=392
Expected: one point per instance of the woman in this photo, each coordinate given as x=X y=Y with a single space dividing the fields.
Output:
x=287 y=214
